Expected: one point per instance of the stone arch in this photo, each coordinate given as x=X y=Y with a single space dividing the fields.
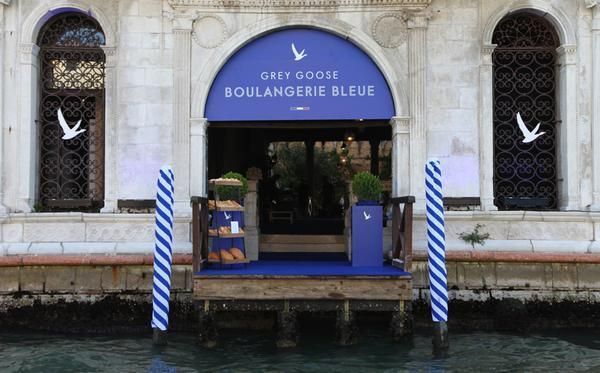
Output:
x=556 y=16
x=568 y=187
x=203 y=83
x=44 y=11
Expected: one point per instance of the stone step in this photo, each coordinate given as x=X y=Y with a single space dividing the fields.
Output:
x=301 y=239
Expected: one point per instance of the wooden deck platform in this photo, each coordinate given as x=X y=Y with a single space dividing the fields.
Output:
x=292 y=280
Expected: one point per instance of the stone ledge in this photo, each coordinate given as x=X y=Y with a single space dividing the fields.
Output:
x=87 y=260
x=513 y=257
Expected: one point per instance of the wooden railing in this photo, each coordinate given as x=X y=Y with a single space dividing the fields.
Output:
x=199 y=232
x=402 y=231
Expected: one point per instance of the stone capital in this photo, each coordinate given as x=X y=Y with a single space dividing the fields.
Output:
x=183 y=23
x=486 y=53
x=419 y=20
x=5 y=2
x=29 y=53
x=591 y=3
x=400 y=125
x=198 y=126
x=567 y=54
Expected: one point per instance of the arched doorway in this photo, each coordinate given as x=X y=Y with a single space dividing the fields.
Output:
x=71 y=119
x=287 y=103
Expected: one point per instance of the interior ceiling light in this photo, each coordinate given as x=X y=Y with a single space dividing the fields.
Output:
x=349 y=136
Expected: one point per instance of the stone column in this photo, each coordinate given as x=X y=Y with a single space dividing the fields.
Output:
x=596 y=109
x=401 y=152
x=486 y=129
x=182 y=45
x=27 y=128
x=568 y=149
x=111 y=137
x=3 y=209
x=198 y=158
x=417 y=74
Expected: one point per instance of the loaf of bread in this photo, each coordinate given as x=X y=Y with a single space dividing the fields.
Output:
x=237 y=253
x=225 y=255
x=213 y=256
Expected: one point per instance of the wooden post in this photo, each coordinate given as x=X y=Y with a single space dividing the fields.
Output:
x=440 y=339
x=159 y=337
x=402 y=322
x=287 y=324
x=345 y=326
x=196 y=255
x=207 y=328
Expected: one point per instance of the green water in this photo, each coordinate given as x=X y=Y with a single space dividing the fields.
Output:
x=577 y=350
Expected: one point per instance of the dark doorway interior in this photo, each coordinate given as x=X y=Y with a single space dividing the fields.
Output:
x=305 y=168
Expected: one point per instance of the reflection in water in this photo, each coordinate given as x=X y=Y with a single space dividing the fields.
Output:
x=255 y=351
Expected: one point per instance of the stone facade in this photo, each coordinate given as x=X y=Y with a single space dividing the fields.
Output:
x=162 y=55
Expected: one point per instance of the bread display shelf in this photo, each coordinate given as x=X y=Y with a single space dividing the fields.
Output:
x=224 y=205
x=213 y=232
x=225 y=182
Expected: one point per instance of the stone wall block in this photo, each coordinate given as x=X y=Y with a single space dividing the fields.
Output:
x=113 y=278
x=564 y=276
x=143 y=231
x=522 y=276
x=12 y=232
x=588 y=276
x=178 y=277
x=88 y=279
x=525 y=230
x=59 y=279
x=32 y=279
x=476 y=275
x=139 y=278
x=45 y=248
x=54 y=232
x=9 y=279
x=420 y=276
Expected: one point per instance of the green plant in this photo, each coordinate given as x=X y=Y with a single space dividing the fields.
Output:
x=231 y=192
x=475 y=237
x=366 y=186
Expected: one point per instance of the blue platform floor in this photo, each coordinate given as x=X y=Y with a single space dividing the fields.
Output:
x=300 y=268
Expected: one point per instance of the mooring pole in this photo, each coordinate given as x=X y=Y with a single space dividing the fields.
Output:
x=163 y=256
x=436 y=250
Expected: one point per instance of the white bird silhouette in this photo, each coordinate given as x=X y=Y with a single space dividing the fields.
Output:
x=69 y=132
x=226 y=216
x=367 y=216
x=298 y=56
x=529 y=135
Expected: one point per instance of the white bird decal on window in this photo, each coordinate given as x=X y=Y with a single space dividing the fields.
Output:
x=69 y=132
x=529 y=135
x=226 y=215
x=367 y=216
x=298 y=56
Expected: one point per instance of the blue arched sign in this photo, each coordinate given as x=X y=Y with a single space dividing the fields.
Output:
x=299 y=74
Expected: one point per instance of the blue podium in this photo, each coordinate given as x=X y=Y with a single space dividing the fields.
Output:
x=367 y=236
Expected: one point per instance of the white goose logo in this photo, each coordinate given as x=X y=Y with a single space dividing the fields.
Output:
x=69 y=132
x=529 y=135
x=226 y=215
x=298 y=56
x=367 y=216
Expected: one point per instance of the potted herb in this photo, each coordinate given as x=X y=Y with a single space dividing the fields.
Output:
x=232 y=192
x=367 y=188
x=367 y=221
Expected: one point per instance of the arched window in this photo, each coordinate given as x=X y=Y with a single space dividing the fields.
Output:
x=71 y=119
x=525 y=169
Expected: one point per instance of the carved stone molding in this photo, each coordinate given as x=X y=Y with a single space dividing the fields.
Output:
x=287 y=4
x=389 y=30
x=5 y=2
x=591 y=3
x=209 y=31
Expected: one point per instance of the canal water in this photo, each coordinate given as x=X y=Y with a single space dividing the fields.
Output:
x=243 y=351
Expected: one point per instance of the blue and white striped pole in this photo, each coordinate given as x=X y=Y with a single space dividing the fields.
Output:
x=436 y=250
x=163 y=255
